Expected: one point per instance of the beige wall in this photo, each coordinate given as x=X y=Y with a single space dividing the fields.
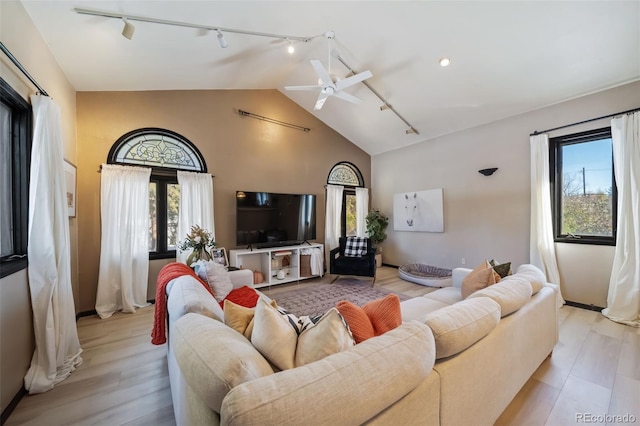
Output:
x=488 y=217
x=23 y=40
x=242 y=153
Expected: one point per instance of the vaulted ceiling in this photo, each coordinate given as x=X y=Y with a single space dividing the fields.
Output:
x=507 y=57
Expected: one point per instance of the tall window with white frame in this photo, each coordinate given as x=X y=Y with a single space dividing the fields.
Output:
x=584 y=194
x=165 y=152
x=15 y=160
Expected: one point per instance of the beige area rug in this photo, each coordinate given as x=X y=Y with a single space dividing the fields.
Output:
x=319 y=299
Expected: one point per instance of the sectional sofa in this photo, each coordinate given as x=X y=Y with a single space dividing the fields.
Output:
x=451 y=362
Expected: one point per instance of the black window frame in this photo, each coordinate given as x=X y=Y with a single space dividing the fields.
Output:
x=162 y=176
x=21 y=138
x=555 y=166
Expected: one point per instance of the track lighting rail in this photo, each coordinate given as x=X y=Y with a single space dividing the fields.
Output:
x=123 y=16
x=385 y=104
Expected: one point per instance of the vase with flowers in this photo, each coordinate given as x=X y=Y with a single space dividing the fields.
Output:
x=199 y=241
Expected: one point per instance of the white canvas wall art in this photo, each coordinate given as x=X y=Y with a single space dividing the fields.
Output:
x=420 y=211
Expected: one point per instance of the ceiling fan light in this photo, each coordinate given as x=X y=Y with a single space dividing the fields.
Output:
x=128 y=29
x=221 y=40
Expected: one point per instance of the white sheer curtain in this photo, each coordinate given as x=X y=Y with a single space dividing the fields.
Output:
x=542 y=252
x=332 y=217
x=623 y=300
x=124 y=246
x=362 y=208
x=58 y=350
x=196 y=206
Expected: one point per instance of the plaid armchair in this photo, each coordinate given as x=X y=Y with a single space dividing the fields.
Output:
x=354 y=256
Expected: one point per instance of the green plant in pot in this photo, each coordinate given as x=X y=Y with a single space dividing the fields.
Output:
x=376 y=229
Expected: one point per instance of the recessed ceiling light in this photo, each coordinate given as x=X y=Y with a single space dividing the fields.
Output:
x=444 y=62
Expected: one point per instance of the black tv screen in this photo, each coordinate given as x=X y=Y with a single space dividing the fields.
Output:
x=267 y=219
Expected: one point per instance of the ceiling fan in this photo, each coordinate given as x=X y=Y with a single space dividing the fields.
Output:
x=332 y=87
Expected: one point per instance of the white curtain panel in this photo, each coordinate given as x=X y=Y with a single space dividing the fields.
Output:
x=332 y=217
x=196 y=206
x=124 y=247
x=362 y=208
x=623 y=300
x=542 y=252
x=58 y=350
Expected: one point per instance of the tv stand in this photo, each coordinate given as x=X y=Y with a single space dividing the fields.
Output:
x=269 y=261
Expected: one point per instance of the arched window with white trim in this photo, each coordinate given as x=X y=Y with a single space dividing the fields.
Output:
x=165 y=152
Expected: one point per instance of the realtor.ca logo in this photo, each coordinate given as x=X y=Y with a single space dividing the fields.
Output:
x=605 y=418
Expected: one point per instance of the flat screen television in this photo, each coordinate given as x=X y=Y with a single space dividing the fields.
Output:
x=267 y=219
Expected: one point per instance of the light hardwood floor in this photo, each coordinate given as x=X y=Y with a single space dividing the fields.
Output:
x=595 y=369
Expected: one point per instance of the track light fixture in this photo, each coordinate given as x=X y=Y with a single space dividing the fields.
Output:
x=384 y=106
x=221 y=40
x=410 y=131
x=128 y=29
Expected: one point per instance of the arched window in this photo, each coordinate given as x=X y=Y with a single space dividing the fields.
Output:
x=165 y=152
x=348 y=175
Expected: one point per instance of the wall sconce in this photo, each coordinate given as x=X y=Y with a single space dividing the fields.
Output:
x=488 y=172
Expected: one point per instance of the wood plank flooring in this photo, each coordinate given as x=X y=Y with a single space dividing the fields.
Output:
x=595 y=370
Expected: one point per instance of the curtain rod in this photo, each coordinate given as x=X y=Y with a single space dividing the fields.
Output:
x=22 y=69
x=585 y=121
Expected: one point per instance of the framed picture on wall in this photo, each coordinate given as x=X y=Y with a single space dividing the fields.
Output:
x=70 y=185
x=219 y=255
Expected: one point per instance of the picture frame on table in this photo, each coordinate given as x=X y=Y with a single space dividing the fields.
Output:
x=219 y=255
x=70 y=185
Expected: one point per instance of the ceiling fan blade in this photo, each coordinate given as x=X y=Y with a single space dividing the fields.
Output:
x=321 y=100
x=350 y=81
x=325 y=78
x=302 y=87
x=348 y=97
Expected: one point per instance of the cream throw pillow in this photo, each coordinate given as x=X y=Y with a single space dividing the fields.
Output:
x=218 y=279
x=482 y=276
x=240 y=318
x=275 y=335
x=329 y=335
x=289 y=342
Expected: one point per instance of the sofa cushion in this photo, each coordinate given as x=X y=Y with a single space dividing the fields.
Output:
x=447 y=295
x=213 y=358
x=503 y=269
x=355 y=247
x=482 y=276
x=189 y=295
x=459 y=326
x=511 y=294
x=417 y=308
x=536 y=277
x=218 y=279
x=326 y=336
x=347 y=388
x=357 y=319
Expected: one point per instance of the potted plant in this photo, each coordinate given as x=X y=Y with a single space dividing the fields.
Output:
x=376 y=229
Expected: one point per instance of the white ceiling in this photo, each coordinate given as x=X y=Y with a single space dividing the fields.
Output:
x=508 y=57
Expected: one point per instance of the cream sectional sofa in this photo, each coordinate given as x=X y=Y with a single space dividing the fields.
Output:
x=217 y=377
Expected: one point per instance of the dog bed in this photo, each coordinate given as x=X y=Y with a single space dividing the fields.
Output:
x=426 y=275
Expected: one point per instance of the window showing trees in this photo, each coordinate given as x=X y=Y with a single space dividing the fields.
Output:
x=165 y=152
x=583 y=185
x=349 y=176
x=15 y=160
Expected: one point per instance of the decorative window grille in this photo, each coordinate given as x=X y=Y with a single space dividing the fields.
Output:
x=346 y=174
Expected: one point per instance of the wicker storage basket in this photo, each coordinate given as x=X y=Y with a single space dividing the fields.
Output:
x=305 y=265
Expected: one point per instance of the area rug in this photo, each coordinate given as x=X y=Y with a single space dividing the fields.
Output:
x=319 y=299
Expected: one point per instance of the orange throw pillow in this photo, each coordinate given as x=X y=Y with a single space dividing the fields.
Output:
x=358 y=321
x=373 y=319
x=384 y=313
x=482 y=276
